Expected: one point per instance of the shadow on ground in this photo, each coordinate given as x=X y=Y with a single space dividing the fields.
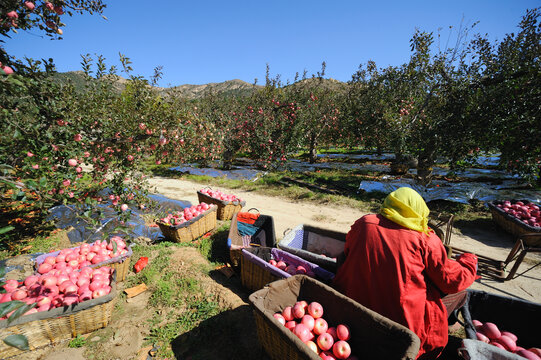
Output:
x=229 y=335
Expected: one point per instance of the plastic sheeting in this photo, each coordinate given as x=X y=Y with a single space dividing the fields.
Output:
x=460 y=192
x=66 y=216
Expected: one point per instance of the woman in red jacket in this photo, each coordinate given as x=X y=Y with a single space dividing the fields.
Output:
x=395 y=265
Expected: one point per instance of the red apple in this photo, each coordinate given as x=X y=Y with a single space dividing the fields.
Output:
x=343 y=333
x=19 y=294
x=44 y=268
x=287 y=313
x=302 y=332
x=290 y=325
x=49 y=280
x=300 y=270
x=272 y=262
x=298 y=311
x=325 y=341
x=312 y=345
x=308 y=321
x=281 y=265
x=280 y=318
x=11 y=285
x=320 y=326
x=99 y=293
x=332 y=331
x=315 y=309
x=31 y=280
x=341 y=349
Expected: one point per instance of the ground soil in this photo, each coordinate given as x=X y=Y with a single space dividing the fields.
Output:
x=232 y=333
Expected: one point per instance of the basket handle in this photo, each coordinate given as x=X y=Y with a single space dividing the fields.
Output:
x=256 y=209
x=286 y=231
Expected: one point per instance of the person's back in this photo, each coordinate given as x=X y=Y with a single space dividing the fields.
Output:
x=402 y=274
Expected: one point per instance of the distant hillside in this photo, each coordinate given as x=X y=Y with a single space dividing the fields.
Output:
x=191 y=92
x=231 y=87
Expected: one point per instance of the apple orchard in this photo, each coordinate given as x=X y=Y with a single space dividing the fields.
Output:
x=63 y=144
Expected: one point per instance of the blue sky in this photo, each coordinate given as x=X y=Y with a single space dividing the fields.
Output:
x=198 y=42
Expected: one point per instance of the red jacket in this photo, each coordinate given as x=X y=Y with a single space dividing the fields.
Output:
x=402 y=274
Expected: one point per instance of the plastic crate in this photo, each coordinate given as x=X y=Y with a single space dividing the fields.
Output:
x=373 y=336
x=520 y=317
x=256 y=271
x=317 y=245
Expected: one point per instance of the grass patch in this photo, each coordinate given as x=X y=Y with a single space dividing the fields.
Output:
x=77 y=342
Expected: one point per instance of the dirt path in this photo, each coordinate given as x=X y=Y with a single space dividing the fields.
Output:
x=287 y=214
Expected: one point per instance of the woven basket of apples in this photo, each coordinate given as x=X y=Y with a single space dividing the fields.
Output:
x=516 y=216
x=189 y=224
x=227 y=204
x=286 y=313
x=261 y=265
x=499 y=321
x=113 y=253
x=55 y=306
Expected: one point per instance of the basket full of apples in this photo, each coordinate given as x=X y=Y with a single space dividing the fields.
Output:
x=302 y=318
x=188 y=224
x=261 y=265
x=499 y=321
x=516 y=216
x=113 y=253
x=227 y=204
x=56 y=306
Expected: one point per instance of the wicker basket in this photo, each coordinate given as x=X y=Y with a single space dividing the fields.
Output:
x=510 y=223
x=59 y=324
x=192 y=229
x=226 y=209
x=256 y=272
x=373 y=336
x=120 y=263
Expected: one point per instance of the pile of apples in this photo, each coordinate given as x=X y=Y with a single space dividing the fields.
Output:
x=187 y=214
x=217 y=194
x=528 y=213
x=290 y=268
x=307 y=323
x=59 y=288
x=84 y=255
x=490 y=333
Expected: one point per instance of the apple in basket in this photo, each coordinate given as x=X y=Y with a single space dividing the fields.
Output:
x=325 y=341
x=341 y=349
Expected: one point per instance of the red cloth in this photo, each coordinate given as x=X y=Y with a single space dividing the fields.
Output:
x=402 y=274
x=247 y=217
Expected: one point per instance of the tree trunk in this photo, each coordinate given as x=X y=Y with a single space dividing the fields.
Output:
x=227 y=160
x=424 y=166
x=313 y=150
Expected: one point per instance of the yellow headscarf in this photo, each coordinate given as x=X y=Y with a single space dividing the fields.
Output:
x=406 y=207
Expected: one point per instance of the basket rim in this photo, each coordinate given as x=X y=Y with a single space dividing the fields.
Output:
x=223 y=202
x=189 y=222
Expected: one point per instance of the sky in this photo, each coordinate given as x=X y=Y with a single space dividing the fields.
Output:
x=199 y=42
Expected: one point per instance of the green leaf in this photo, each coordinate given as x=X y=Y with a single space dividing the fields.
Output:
x=18 y=341
x=20 y=312
x=43 y=181
x=2 y=271
x=5 y=230
x=9 y=306
x=31 y=184
x=114 y=246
